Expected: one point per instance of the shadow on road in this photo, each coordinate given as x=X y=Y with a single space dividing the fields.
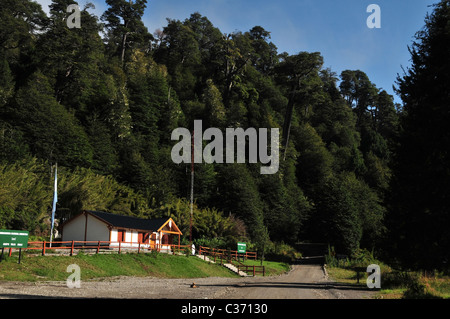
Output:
x=313 y=260
x=25 y=296
x=290 y=285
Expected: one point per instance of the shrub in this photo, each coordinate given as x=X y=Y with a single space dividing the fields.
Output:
x=280 y=251
x=216 y=242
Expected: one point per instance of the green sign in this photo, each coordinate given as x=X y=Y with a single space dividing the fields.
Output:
x=13 y=238
x=241 y=248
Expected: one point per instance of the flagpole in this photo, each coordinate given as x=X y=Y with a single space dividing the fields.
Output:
x=55 y=200
x=192 y=189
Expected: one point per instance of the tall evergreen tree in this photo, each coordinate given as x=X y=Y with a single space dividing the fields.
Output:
x=124 y=26
x=51 y=131
x=72 y=58
x=110 y=104
x=293 y=72
x=419 y=212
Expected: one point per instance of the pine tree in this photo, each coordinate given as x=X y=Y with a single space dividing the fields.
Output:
x=124 y=26
x=72 y=58
x=419 y=212
x=51 y=131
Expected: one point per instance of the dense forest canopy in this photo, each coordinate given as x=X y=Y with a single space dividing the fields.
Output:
x=103 y=99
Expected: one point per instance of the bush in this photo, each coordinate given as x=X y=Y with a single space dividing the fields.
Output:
x=397 y=279
x=363 y=258
x=360 y=258
x=330 y=258
x=187 y=251
x=282 y=252
x=418 y=290
x=154 y=254
x=216 y=242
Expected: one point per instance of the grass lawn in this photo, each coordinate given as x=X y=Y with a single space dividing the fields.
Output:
x=272 y=268
x=346 y=275
x=349 y=276
x=53 y=268
x=397 y=285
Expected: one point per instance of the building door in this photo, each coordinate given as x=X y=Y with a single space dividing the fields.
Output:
x=153 y=241
x=143 y=238
x=120 y=235
x=165 y=239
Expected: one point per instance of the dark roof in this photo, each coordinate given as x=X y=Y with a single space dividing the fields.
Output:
x=130 y=222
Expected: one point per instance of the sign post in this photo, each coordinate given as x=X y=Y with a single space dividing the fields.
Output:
x=13 y=239
x=241 y=248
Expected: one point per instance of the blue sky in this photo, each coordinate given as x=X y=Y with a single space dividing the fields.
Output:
x=336 y=28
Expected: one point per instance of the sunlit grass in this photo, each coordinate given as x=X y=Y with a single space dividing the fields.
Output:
x=272 y=268
x=53 y=268
x=399 y=285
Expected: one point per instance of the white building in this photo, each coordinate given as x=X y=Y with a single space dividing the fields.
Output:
x=112 y=229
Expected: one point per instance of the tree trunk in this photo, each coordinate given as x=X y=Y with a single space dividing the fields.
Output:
x=124 y=41
x=287 y=121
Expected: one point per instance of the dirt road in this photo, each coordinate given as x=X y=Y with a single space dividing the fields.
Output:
x=302 y=282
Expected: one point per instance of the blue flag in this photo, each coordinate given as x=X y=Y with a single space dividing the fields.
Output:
x=55 y=198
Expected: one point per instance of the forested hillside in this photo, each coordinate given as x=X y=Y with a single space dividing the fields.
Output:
x=101 y=101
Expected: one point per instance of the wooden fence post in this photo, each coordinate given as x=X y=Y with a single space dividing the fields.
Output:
x=71 y=248
x=98 y=247
x=139 y=248
x=119 y=246
x=43 y=248
x=254 y=273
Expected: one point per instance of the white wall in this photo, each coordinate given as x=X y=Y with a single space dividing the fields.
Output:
x=114 y=235
x=75 y=229
x=135 y=237
x=96 y=230
x=131 y=236
x=131 y=239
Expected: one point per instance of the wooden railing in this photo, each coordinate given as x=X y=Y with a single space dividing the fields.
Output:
x=71 y=247
x=232 y=257
x=252 y=269
x=97 y=246
x=225 y=253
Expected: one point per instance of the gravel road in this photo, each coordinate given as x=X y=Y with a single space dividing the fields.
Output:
x=302 y=282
